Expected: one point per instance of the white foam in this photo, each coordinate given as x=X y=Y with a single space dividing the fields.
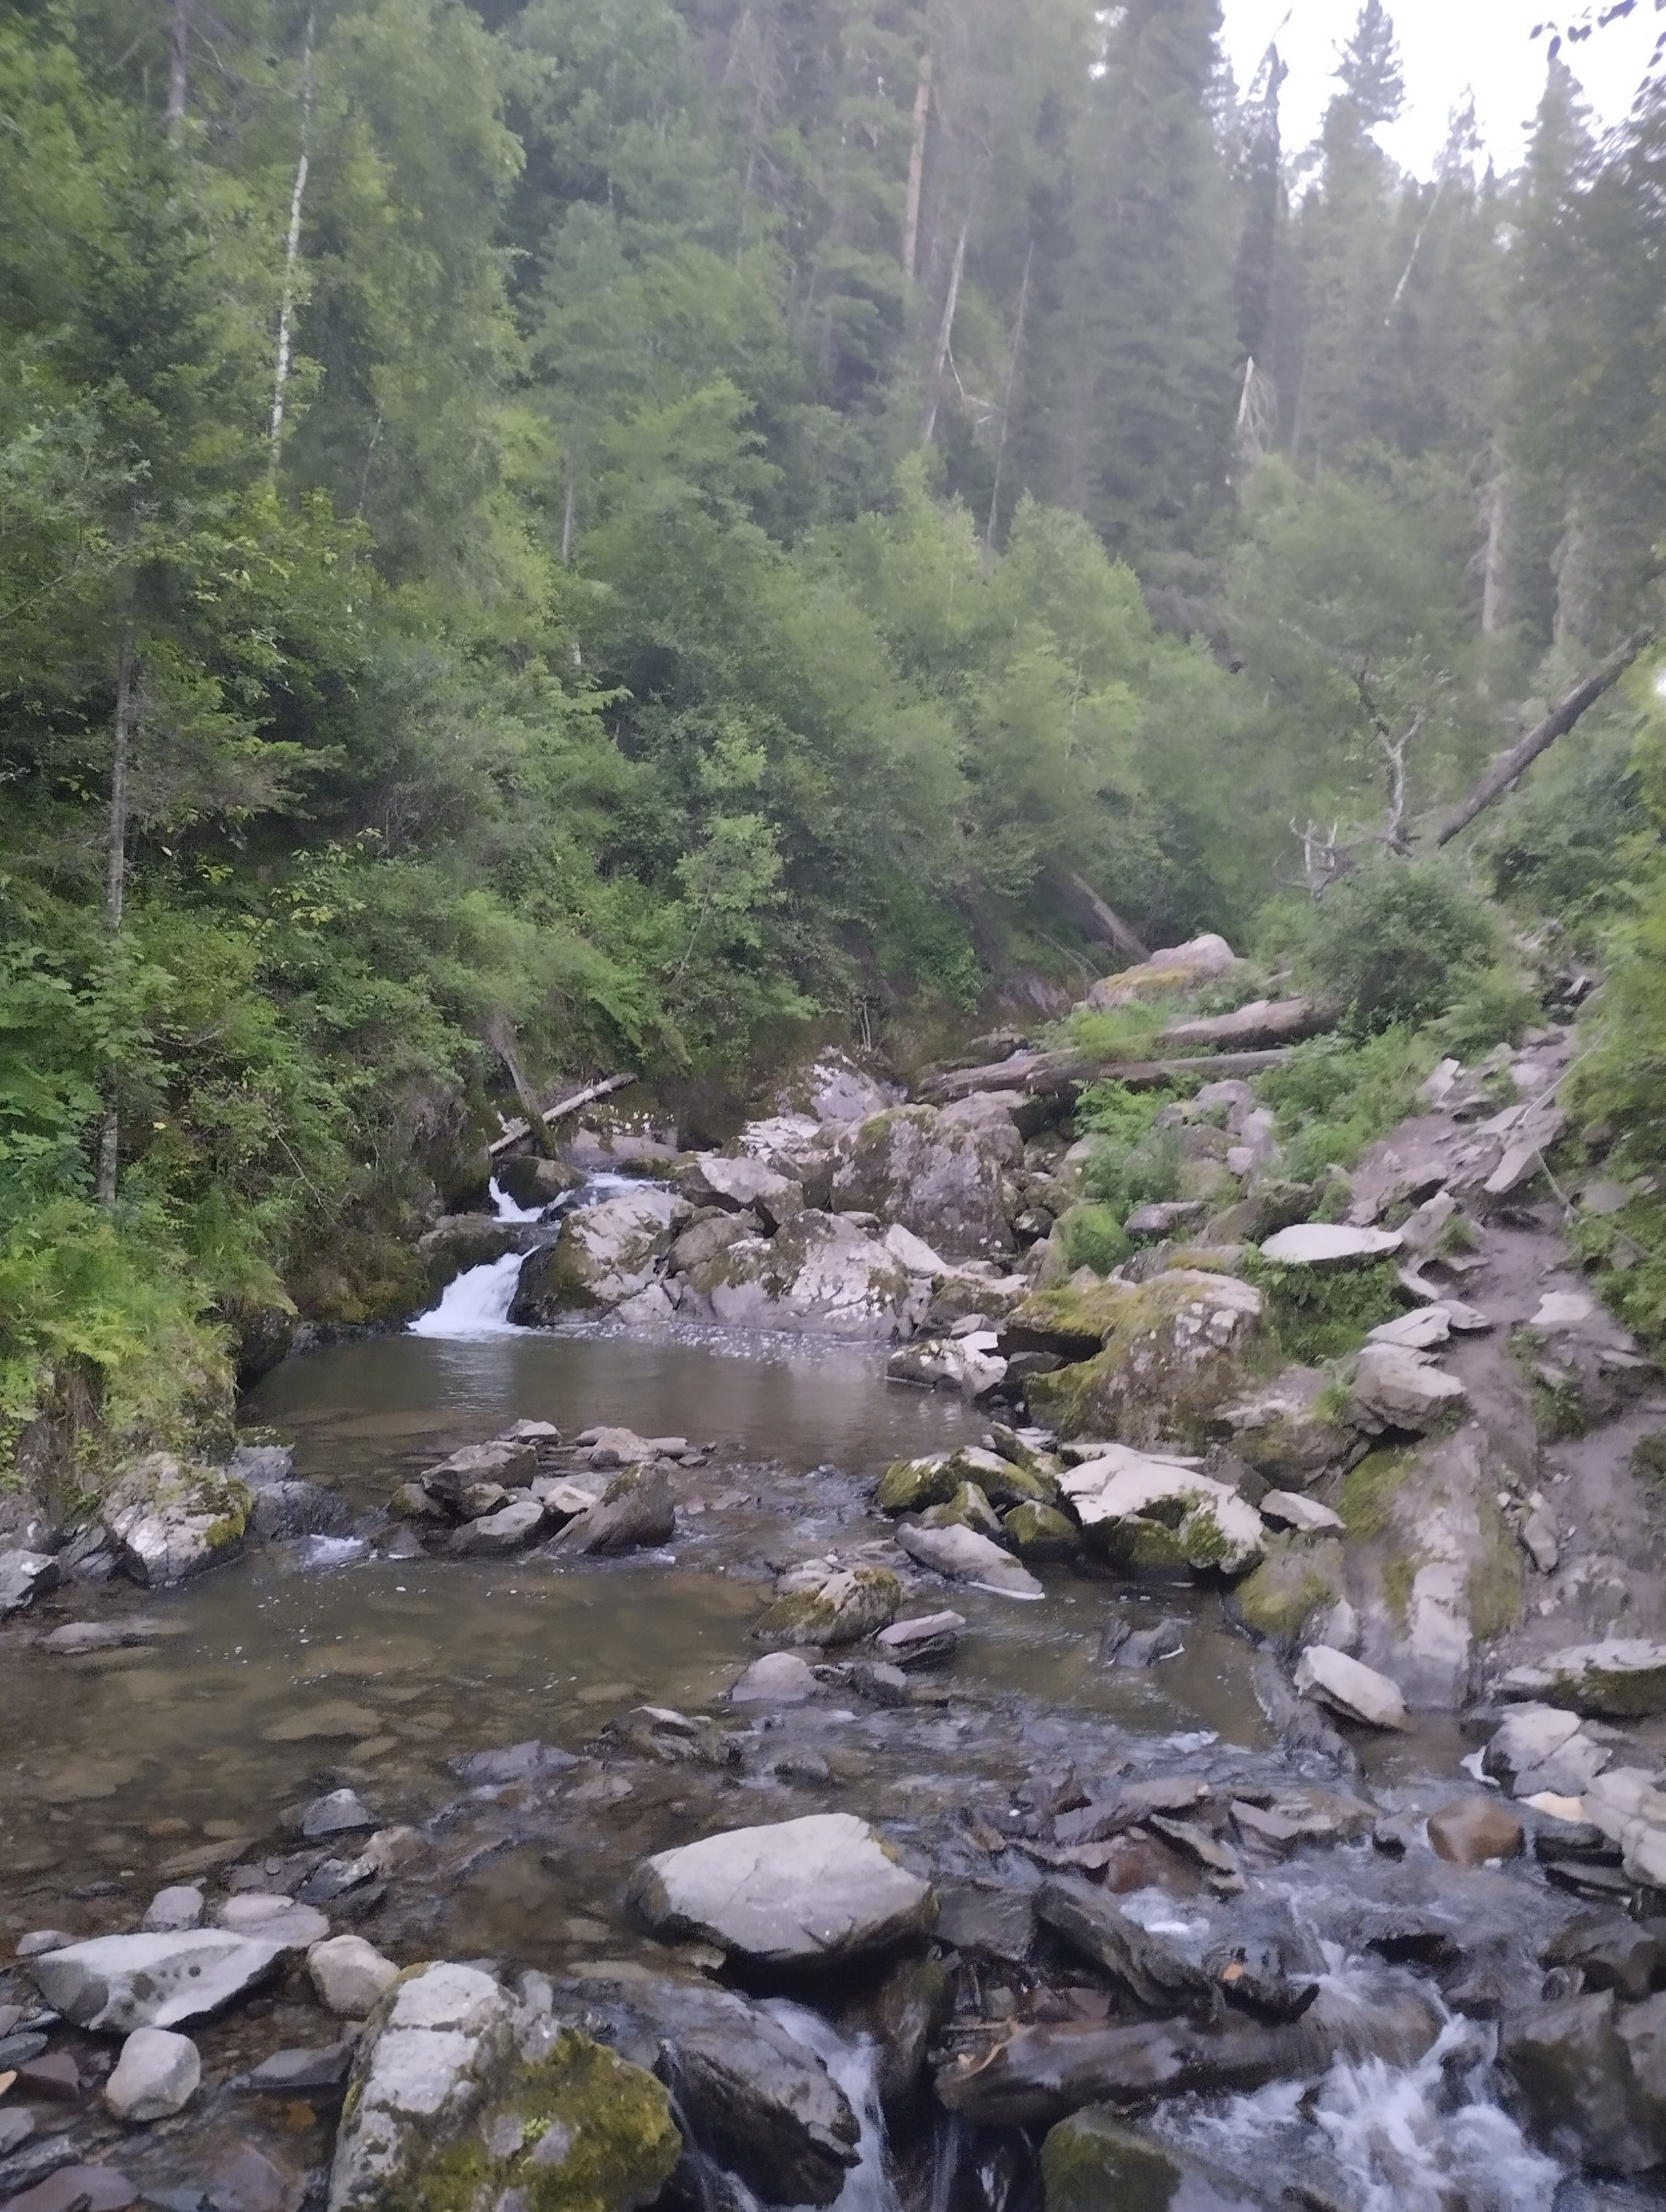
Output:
x=854 y=2066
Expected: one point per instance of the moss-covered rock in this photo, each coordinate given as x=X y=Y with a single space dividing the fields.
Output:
x=1094 y=2162
x=1041 y=1531
x=173 y=1518
x=604 y=1255
x=1068 y=1319
x=908 y=1485
x=1292 y=1431
x=967 y=1509
x=843 y=1608
x=1140 y=1545
x=580 y=2130
x=1175 y=1349
x=1298 y=1576
x=930 y=1173
x=1002 y=1482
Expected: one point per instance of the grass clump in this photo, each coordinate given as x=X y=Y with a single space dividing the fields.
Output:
x=1334 y=1097
x=1094 y=1237
x=1325 y=1313
x=1368 y=1492
x=1134 y=1162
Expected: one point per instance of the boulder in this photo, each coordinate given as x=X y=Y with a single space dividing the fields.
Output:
x=1174 y=1352
x=637 y=1507
x=350 y=1975
x=114 y=1984
x=456 y=2098
x=1094 y=2160
x=272 y=1918
x=1623 y=1678
x=1610 y=1952
x=1578 y=2093
x=762 y=2103
x=910 y=1485
x=821 y=1275
x=1542 y=1747
x=706 y=1235
x=459 y=1241
x=1040 y=1532
x=172 y=1519
x=1285 y=1431
x=843 y=1608
x=22 y=1575
x=835 y=1089
x=779 y=1678
x=963 y=1556
x=1329 y=1244
x=1473 y=1829
x=1210 y=1525
x=532 y=1181
x=1155 y=1975
x=941 y=1179
x=1421 y=1330
x=1395 y=1389
x=794 y=1894
x=156 y=2075
x=604 y=1255
x=171 y=1909
x=283 y=1511
x=742 y=1184
x=495 y=1536
x=1288 y=1509
x=1358 y=1693
x=511 y=1463
x=1176 y=969
x=969 y=1364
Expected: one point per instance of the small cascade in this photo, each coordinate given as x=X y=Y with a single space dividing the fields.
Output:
x=854 y=2066
x=475 y=1303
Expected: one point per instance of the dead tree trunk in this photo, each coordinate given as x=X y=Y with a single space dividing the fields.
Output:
x=940 y=357
x=1522 y=754
x=1006 y=398
x=922 y=105
x=115 y=893
x=1115 y=930
x=292 y=250
x=501 y=1038
x=515 y=1133
x=179 y=66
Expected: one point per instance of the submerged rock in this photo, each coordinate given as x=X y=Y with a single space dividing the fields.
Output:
x=793 y=1892
x=156 y=2075
x=1473 y=1829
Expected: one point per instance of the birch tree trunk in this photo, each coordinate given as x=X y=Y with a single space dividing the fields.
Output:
x=115 y=891
x=292 y=251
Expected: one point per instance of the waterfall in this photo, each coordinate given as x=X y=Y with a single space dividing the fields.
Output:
x=476 y=1302
x=853 y=2065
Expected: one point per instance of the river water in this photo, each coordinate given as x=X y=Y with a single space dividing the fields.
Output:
x=303 y=1667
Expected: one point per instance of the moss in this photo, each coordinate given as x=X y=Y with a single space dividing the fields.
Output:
x=581 y=2130
x=1368 y=1492
x=1559 y=1410
x=1071 y=1318
x=1093 y=2162
x=1399 y=1575
x=1649 y=1457
x=813 y=1617
x=1041 y=1531
x=907 y=1486
x=969 y=1507
x=1493 y=1591
x=1325 y=1312
x=1004 y=1483
x=1159 y=1378
x=1297 y=1577
x=1093 y=1237
x=1141 y=1547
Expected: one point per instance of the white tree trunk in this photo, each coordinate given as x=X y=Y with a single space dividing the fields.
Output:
x=178 y=65
x=115 y=891
x=292 y=251
x=922 y=102
x=928 y=419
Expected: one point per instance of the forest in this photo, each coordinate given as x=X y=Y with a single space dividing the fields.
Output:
x=541 y=539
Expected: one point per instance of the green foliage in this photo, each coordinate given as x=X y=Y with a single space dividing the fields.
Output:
x=1396 y=943
x=1094 y=1237
x=1333 y=1098
x=1325 y=1313
x=1497 y=1009
x=1365 y=1501
x=1123 y=1173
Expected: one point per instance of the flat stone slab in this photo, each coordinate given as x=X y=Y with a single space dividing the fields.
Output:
x=1329 y=1244
x=1358 y=1693
x=1289 y=1509
x=794 y=1892
x=115 y=1983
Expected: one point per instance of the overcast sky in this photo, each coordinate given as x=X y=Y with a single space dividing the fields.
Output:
x=1449 y=47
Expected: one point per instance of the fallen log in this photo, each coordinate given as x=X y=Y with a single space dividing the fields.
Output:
x=1109 y=923
x=516 y=1132
x=1265 y=1022
x=1049 y=1074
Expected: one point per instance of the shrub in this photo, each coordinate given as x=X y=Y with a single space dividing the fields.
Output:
x=1094 y=1237
x=1397 y=942
x=1123 y=1175
x=1325 y=1313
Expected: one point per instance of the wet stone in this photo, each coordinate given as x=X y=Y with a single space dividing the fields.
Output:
x=78 y=2188
x=1471 y=1830
x=156 y=2075
x=309 y=2070
x=171 y=1910
x=334 y=1815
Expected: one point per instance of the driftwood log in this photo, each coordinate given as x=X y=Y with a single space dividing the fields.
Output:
x=1264 y=1030
x=517 y=1132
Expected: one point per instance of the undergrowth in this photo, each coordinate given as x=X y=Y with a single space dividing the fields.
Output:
x=1325 y=1313
x=1333 y=1098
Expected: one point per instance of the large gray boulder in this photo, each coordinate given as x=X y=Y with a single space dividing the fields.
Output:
x=818 y=1608
x=793 y=1893
x=1578 y=2088
x=759 y=2102
x=819 y=1275
x=1358 y=1693
x=172 y=1519
x=22 y=1574
x=1211 y=1526
x=604 y=1255
x=156 y=2075
x=741 y=1184
x=459 y=2097
x=1176 y=969
x=114 y=1984
x=942 y=1179
x=1329 y=1244
x=637 y=1507
x=1396 y=1388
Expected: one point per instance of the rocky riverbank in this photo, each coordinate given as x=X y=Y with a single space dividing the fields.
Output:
x=867 y=1923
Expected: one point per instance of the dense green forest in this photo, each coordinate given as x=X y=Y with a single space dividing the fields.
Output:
x=600 y=533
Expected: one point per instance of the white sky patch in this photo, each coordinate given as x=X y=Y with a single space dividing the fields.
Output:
x=1449 y=47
